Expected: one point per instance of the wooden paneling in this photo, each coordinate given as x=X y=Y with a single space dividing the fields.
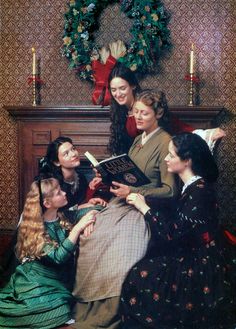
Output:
x=87 y=126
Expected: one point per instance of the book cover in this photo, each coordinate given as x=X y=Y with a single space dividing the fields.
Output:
x=120 y=169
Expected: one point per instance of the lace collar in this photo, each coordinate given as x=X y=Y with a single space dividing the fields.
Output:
x=189 y=182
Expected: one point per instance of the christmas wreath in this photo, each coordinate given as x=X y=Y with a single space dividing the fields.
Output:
x=150 y=34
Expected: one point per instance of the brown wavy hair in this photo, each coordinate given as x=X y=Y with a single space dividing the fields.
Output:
x=157 y=101
x=32 y=236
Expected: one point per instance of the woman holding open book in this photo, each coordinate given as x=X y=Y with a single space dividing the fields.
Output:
x=121 y=235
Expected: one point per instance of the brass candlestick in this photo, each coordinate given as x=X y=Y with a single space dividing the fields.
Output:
x=34 y=89
x=191 y=91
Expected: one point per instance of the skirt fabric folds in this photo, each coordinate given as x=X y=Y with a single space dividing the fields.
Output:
x=34 y=298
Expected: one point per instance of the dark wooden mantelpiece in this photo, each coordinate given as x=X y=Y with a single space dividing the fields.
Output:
x=202 y=114
x=87 y=125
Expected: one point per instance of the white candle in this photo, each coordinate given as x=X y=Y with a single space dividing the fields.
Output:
x=191 y=70
x=34 y=62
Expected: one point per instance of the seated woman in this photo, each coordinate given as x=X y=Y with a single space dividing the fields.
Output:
x=121 y=236
x=185 y=285
x=62 y=162
x=39 y=292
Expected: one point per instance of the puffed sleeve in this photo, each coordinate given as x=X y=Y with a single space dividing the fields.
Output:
x=197 y=212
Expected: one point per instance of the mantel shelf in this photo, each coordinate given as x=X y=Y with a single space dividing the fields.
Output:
x=72 y=111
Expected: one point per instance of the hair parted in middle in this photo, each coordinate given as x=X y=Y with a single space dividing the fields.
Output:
x=192 y=147
x=31 y=234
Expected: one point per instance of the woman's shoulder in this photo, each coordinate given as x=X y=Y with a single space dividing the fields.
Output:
x=164 y=134
x=162 y=138
x=202 y=190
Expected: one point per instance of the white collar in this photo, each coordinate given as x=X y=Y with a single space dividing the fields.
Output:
x=51 y=221
x=146 y=137
x=189 y=182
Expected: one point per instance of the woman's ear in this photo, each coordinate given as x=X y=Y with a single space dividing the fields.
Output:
x=160 y=113
x=188 y=163
x=47 y=203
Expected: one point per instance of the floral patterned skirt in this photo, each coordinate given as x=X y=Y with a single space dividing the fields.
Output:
x=169 y=292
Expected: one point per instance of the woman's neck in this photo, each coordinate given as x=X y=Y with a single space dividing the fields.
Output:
x=50 y=215
x=130 y=107
x=151 y=129
x=186 y=175
x=69 y=174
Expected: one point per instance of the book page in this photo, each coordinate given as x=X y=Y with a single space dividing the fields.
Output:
x=91 y=158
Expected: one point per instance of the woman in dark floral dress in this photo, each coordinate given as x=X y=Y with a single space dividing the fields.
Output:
x=185 y=285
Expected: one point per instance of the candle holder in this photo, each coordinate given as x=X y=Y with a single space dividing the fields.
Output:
x=34 y=90
x=36 y=85
x=191 y=92
x=193 y=79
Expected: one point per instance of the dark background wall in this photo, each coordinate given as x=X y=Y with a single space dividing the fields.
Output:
x=25 y=24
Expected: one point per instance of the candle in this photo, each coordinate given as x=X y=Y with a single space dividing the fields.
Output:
x=34 y=62
x=191 y=59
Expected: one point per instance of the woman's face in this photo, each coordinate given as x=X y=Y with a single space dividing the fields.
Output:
x=68 y=156
x=145 y=117
x=58 y=198
x=122 y=92
x=173 y=161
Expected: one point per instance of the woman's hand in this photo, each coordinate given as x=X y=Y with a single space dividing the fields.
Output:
x=217 y=133
x=85 y=225
x=138 y=201
x=94 y=182
x=95 y=201
x=120 y=190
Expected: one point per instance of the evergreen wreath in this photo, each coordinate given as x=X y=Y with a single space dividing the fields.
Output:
x=150 y=34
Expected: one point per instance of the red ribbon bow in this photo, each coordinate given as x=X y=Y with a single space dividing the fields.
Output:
x=101 y=94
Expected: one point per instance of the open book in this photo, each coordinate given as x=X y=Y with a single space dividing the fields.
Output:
x=120 y=169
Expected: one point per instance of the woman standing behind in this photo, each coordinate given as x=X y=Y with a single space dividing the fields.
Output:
x=38 y=294
x=185 y=285
x=124 y=87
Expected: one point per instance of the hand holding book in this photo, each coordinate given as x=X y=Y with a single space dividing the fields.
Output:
x=120 y=169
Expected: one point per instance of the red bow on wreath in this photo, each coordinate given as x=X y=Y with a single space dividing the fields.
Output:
x=101 y=94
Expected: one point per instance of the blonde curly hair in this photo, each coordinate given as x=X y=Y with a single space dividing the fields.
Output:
x=32 y=236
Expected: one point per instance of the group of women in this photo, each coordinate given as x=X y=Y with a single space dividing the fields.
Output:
x=144 y=259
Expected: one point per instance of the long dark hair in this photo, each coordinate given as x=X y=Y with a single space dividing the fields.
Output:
x=47 y=167
x=157 y=101
x=192 y=146
x=120 y=141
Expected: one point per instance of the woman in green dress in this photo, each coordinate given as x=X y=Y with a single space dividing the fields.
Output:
x=38 y=294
